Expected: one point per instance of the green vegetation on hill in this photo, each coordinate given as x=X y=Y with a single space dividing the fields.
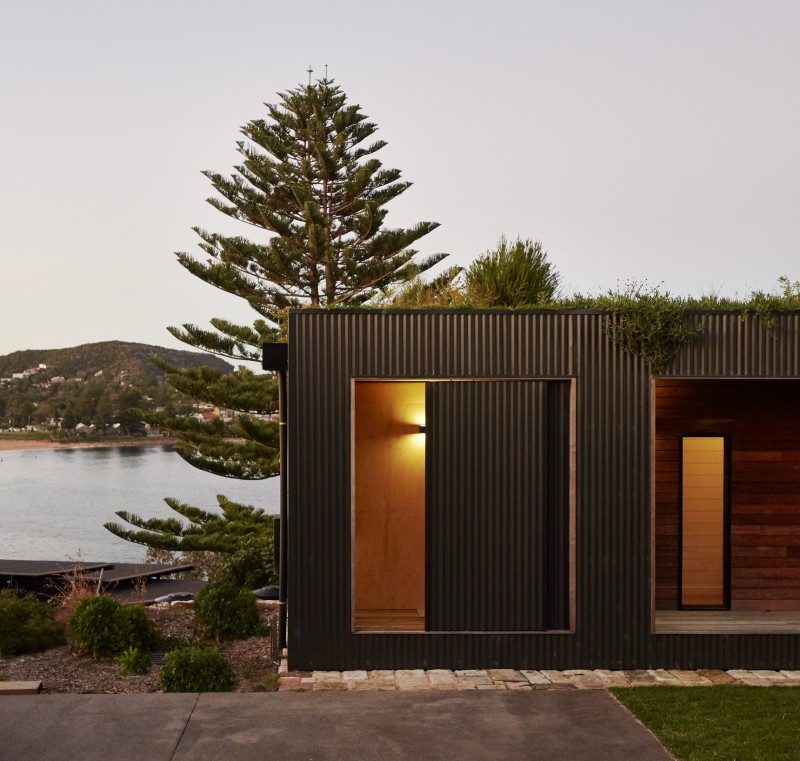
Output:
x=108 y=356
x=96 y=385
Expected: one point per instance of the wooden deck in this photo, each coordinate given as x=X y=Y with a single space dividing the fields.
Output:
x=389 y=621
x=128 y=582
x=727 y=622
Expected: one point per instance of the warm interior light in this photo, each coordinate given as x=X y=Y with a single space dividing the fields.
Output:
x=703 y=506
x=389 y=506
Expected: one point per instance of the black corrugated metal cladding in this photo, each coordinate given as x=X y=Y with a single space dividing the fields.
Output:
x=497 y=506
x=609 y=492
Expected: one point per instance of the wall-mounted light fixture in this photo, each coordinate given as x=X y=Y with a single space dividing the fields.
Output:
x=422 y=427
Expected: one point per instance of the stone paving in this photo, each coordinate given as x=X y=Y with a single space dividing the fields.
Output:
x=511 y=679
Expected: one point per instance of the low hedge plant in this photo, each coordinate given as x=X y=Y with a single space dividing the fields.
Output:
x=26 y=625
x=100 y=626
x=225 y=612
x=134 y=661
x=196 y=668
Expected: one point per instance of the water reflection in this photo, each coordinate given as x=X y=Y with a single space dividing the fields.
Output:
x=53 y=503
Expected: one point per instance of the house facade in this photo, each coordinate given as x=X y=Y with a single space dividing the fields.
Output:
x=511 y=489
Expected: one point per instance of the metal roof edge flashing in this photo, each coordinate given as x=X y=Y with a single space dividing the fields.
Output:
x=388 y=311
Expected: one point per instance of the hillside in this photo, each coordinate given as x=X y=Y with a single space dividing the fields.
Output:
x=109 y=356
x=95 y=385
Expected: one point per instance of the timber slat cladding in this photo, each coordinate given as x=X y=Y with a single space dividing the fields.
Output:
x=727 y=622
x=762 y=418
x=389 y=620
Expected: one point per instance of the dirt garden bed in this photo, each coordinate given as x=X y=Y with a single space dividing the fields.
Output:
x=252 y=659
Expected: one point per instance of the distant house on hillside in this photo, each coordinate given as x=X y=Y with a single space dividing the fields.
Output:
x=223 y=413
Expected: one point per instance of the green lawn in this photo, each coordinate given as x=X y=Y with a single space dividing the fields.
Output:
x=723 y=723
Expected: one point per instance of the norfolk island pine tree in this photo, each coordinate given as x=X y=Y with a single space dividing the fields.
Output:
x=309 y=183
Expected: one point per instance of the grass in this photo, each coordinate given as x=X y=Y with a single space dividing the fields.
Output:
x=723 y=723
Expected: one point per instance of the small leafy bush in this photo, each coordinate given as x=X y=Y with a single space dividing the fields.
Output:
x=101 y=626
x=136 y=629
x=134 y=661
x=224 y=612
x=93 y=627
x=195 y=669
x=512 y=275
x=26 y=625
x=446 y=291
x=250 y=566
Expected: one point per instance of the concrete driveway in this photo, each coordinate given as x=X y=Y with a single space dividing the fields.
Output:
x=572 y=725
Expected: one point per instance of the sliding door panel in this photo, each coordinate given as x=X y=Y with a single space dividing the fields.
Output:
x=497 y=506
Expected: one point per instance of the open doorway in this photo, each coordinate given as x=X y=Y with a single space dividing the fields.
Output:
x=726 y=521
x=389 y=506
x=462 y=506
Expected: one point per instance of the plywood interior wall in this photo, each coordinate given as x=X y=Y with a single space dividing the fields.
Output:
x=389 y=499
x=762 y=418
x=703 y=512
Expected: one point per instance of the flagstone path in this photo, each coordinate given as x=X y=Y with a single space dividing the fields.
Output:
x=512 y=679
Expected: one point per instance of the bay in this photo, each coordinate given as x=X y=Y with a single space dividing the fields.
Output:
x=54 y=502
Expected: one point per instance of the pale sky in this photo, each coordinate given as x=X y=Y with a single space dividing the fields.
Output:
x=655 y=141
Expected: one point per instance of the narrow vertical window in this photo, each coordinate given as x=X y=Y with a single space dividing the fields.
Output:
x=389 y=506
x=704 y=529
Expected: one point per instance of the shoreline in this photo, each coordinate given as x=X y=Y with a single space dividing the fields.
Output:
x=10 y=445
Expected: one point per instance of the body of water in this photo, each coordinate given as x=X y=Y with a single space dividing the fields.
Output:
x=54 y=502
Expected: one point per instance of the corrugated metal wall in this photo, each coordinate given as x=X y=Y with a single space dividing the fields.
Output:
x=496 y=506
x=612 y=490
x=736 y=347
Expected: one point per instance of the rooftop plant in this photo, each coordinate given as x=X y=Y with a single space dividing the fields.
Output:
x=641 y=319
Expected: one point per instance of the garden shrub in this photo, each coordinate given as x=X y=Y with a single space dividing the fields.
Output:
x=136 y=629
x=224 y=612
x=651 y=326
x=93 y=626
x=195 y=669
x=512 y=275
x=134 y=661
x=26 y=625
x=101 y=626
x=250 y=566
